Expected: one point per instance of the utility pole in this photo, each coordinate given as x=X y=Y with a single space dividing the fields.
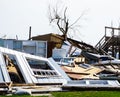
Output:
x=29 y=33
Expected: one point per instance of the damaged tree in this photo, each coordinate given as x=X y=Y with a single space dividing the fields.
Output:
x=58 y=16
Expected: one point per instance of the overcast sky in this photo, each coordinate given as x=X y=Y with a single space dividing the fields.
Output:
x=17 y=15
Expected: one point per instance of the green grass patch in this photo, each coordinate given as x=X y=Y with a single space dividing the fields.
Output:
x=87 y=94
x=77 y=94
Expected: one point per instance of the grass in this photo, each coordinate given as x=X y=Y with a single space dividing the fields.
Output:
x=77 y=94
x=87 y=94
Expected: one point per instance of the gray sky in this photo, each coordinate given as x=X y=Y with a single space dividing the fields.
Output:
x=17 y=15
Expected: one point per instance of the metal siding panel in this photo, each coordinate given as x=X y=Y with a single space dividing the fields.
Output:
x=23 y=69
x=55 y=80
x=17 y=45
x=4 y=71
x=8 y=44
x=58 y=69
x=41 y=48
x=49 y=80
x=1 y=75
x=42 y=80
x=2 y=42
x=28 y=43
x=33 y=78
x=29 y=49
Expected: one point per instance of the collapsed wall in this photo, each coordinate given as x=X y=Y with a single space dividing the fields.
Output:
x=17 y=67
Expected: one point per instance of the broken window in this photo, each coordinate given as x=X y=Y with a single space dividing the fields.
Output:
x=13 y=68
x=38 y=64
x=41 y=68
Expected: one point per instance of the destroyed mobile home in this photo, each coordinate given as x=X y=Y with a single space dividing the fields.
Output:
x=78 y=68
x=21 y=68
x=89 y=76
x=91 y=71
x=90 y=63
x=109 y=65
x=18 y=69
